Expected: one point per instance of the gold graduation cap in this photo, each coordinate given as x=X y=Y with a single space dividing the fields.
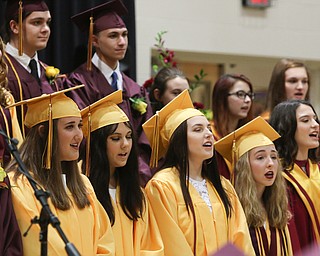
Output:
x=99 y=114
x=99 y=18
x=18 y=8
x=46 y=108
x=255 y=133
x=160 y=127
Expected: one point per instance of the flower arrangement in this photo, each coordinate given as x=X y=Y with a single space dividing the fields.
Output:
x=166 y=59
x=139 y=104
x=207 y=112
x=52 y=73
x=3 y=174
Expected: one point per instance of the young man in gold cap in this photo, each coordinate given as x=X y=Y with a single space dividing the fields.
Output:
x=101 y=74
x=261 y=187
x=28 y=31
x=50 y=152
x=197 y=211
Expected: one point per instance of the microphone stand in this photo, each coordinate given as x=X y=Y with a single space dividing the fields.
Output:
x=46 y=215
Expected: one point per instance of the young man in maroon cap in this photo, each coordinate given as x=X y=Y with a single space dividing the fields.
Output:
x=25 y=35
x=101 y=74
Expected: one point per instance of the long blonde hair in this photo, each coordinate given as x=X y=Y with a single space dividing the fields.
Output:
x=275 y=200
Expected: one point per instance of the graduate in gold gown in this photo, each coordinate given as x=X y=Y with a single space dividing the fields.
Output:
x=197 y=211
x=112 y=167
x=50 y=153
x=261 y=187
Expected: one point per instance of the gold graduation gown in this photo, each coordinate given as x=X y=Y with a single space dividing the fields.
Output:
x=213 y=229
x=134 y=238
x=88 y=229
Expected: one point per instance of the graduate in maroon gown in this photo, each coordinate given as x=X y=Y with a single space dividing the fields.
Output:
x=297 y=123
x=101 y=74
x=8 y=117
x=10 y=236
x=10 y=239
x=28 y=77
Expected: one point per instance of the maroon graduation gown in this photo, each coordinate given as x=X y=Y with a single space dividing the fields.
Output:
x=97 y=87
x=301 y=218
x=18 y=75
x=5 y=126
x=10 y=236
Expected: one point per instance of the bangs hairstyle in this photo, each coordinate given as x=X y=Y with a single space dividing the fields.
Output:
x=284 y=120
x=132 y=199
x=220 y=106
x=274 y=198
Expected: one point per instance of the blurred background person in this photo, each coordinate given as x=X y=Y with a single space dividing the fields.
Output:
x=168 y=83
x=289 y=80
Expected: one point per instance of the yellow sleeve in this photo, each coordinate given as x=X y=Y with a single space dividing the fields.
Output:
x=238 y=228
x=151 y=241
x=164 y=207
x=104 y=236
x=16 y=131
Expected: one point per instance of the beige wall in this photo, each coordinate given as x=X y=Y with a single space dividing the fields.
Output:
x=248 y=41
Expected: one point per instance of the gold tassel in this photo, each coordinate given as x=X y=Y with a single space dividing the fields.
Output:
x=234 y=160
x=155 y=143
x=20 y=46
x=49 y=143
x=89 y=64
x=88 y=145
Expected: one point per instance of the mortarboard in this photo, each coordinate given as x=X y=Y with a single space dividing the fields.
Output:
x=99 y=114
x=99 y=18
x=48 y=107
x=18 y=8
x=255 y=133
x=160 y=127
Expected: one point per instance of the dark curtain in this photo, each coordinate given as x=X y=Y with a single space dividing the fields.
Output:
x=67 y=46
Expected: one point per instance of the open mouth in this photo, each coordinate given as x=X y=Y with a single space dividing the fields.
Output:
x=269 y=175
x=207 y=144
x=314 y=135
x=74 y=145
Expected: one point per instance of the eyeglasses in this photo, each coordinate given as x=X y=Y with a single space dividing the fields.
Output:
x=242 y=94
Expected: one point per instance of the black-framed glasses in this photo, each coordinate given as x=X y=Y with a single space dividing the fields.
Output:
x=242 y=94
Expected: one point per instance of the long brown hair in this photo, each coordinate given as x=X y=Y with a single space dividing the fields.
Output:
x=31 y=152
x=220 y=105
x=276 y=90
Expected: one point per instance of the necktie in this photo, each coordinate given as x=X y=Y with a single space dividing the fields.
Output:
x=34 y=70
x=114 y=77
